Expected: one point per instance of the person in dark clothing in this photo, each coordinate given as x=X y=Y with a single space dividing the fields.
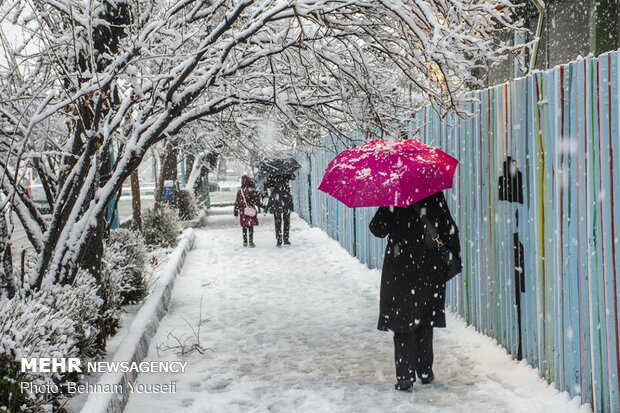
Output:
x=280 y=204
x=412 y=296
x=247 y=206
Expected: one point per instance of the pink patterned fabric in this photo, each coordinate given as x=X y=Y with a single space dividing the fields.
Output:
x=388 y=173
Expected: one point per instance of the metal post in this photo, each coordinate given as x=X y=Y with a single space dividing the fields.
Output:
x=540 y=5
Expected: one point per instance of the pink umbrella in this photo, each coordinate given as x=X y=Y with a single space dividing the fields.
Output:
x=388 y=173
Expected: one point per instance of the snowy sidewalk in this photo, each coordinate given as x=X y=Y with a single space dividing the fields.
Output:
x=294 y=330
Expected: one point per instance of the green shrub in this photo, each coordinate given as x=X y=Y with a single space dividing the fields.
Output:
x=110 y=314
x=126 y=256
x=31 y=327
x=186 y=205
x=82 y=304
x=160 y=227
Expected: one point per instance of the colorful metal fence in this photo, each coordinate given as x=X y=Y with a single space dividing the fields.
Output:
x=534 y=197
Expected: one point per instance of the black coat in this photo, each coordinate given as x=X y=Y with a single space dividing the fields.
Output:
x=411 y=293
x=280 y=198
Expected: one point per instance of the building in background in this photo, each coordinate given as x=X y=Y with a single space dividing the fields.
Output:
x=570 y=28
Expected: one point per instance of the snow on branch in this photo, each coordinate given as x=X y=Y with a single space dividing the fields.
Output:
x=88 y=82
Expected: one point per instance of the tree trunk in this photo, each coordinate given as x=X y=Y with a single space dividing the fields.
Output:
x=135 y=201
x=92 y=258
x=7 y=282
x=189 y=167
x=603 y=26
x=106 y=39
x=169 y=171
x=93 y=254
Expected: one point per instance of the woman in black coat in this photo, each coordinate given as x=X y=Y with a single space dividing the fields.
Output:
x=412 y=294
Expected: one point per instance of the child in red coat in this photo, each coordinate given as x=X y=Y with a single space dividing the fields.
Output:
x=247 y=206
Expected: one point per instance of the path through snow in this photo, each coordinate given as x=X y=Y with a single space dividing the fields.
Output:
x=293 y=330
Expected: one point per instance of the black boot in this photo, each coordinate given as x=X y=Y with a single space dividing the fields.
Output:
x=427 y=378
x=251 y=236
x=404 y=385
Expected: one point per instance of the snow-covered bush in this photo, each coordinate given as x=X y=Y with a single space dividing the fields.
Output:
x=29 y=327
x=126 y=256
x=110 y=313
x=60 y=321
x=186 y=205
x=160 y=227
x=82 y=304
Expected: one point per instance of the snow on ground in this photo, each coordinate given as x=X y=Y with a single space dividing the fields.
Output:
x=292 y=329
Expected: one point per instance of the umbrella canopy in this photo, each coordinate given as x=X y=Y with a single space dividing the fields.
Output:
x=388 y=173
x=279 y=166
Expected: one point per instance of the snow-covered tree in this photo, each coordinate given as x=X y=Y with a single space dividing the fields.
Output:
x=87 y=79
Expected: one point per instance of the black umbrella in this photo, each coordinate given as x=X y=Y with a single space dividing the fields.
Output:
x=280 y=166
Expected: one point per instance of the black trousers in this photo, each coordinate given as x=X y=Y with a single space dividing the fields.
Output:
x=282 y=222
x=248 y=231
x=413 y=352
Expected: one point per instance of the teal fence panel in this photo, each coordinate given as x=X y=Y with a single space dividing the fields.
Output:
x=535 y=197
